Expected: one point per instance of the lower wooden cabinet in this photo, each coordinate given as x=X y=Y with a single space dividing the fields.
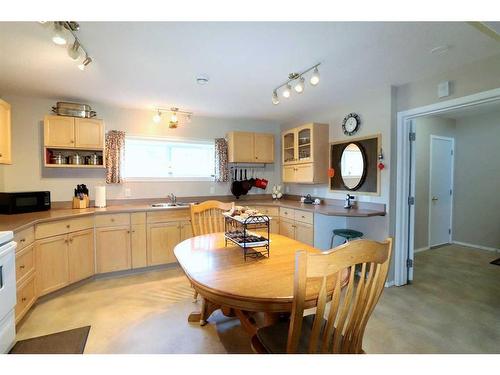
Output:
x=287 y=228
x=26 y=297
x=81 y=255
x=161 y=240
x=113 y=249
x=297 y=230
x=52 y=264
x=186 y=230
x=138 y=244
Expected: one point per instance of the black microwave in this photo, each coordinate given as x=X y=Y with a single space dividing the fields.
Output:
x=27 y=201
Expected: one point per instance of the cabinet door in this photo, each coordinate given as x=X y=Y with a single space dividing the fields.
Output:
x=186 y=230
x=241 y=147
x=289 y=173
x=304 y=233
x=162 y=238
x=289 y=147
x=139 y=250
x=305 y=144
x=287 y=228
x=304 y=173
x=264 y=148
x=59 y=131
x=26 y=297
x=81 y=255
x=275 y=225
x=113 y=249
x=5 y=133
x=89 y=133
x=51 y=264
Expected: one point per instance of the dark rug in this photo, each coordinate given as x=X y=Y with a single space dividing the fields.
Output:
x=66 y=342
x=496 y=262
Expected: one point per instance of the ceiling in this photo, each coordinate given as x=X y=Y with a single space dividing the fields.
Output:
x=143 y=65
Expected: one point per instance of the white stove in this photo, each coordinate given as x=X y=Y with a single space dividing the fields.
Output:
x=7 y=291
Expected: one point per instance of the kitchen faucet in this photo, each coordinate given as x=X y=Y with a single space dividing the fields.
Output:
x=173 y=198
x=348 y=203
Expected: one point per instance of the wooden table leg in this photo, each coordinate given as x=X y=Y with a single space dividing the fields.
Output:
x=207 y=308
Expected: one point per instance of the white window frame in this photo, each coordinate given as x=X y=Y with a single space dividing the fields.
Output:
x=169 y=139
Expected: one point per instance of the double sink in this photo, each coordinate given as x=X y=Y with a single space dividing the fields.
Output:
x=167 y=205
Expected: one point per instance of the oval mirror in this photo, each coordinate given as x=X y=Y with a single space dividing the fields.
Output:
x=353 y=166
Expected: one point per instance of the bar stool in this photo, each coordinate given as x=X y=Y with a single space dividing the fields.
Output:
x=347 y=234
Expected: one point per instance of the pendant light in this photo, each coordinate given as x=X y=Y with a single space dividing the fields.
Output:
x=287 y=91
x=315 y=77
x=157 y=117
x=74 y=50
x=299 y=86
x=85 y=62
x=174 y=121
x=276 y=99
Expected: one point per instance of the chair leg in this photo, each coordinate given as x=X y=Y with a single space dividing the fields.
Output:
x=195 y=296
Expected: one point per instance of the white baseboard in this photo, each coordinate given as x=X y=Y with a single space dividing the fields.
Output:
x=421 y=249
x=466 y=244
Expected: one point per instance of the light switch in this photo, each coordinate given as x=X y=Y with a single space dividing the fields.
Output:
x=444 y=89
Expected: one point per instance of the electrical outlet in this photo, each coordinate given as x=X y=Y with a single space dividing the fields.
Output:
x=128 y=193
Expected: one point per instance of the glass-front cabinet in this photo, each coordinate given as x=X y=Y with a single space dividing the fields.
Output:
x=305 y=148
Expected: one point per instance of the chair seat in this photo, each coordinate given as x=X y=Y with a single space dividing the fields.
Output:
x=348 y=233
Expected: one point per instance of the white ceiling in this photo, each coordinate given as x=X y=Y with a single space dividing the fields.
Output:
x=142 y=65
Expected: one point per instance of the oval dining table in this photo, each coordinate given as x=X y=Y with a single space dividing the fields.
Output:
x=226 y=281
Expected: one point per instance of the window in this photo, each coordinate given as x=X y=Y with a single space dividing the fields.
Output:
x=160 y=159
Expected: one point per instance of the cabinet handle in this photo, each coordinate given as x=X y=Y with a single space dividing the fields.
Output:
x=72 y=141
x=22 y=240
x=71 y=240
x=21 y=267
x=1 y=155
x=67 y=226
x=128 y=231
x=112 y=219
x=23 y=299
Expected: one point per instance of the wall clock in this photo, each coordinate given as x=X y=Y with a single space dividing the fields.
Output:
x=351 y=123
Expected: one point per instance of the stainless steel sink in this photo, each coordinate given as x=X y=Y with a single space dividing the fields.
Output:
x=166 y=205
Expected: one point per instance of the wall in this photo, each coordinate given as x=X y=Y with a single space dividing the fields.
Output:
x=27 y=172
x=424 y=128
x=476 y=211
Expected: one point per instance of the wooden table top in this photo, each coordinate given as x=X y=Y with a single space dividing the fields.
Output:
x=255 y=284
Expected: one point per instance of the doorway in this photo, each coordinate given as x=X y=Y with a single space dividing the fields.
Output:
x=440 y=190
x=406 y=188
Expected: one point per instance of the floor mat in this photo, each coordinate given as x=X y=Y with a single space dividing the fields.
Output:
x=66 y=342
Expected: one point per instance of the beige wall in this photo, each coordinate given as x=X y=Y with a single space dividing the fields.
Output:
x=27 y=172
x=476 y=211
x=425 y=127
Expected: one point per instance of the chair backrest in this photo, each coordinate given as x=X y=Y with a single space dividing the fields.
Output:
x=319 y=278
x=206 y=217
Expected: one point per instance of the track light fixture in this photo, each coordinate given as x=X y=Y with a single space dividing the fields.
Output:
x=175 y=114
x=297 y=81
x=63 y=30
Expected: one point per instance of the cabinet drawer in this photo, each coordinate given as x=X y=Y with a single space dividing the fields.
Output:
x=168 y=215
x=304 y=216
x=269 y=211
x=112 y=220
x=55 y=228
x=138 y=218
x=26 y=296
x=288 y=213
x=25 y=263
x=24 y=238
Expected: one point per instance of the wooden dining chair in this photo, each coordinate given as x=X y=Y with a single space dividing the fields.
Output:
x=339 y=327
x=206 y=218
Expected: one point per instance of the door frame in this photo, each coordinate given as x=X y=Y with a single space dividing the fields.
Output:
x=405 y=176
x=452 y=184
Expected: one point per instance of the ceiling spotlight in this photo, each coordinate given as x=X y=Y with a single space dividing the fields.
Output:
x=315 y=77
x=174 y=121
x=157 y=117
x=202 y=80
x=287 y=91
x=58 y=36
x=74 y=50
x=299 y=86
x=85 y=62
x=276 y=99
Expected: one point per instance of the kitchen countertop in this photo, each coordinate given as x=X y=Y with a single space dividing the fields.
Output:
x=19 y=222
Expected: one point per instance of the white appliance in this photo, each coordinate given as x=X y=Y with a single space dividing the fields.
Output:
x=7 y=291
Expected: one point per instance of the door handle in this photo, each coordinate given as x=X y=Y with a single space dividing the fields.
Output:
x=434 y=199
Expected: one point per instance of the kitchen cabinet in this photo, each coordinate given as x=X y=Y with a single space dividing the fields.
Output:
x=186 y=230
x=25 y=263
x=297 y=224
x=139 y=246
x=52 y=264
x=247 y=147
x=59 y=131
x=81 y=260
x=305 y=154
x=161 y=240
x=26 y=296
x=5 y=133
x=113 y=251
x=273 y=213
x=89 y=133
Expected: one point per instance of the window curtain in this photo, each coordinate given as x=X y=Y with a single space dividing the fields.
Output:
x=115 y=148
x=221 y=166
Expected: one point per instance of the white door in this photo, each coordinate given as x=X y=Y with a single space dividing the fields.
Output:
x=440 y=190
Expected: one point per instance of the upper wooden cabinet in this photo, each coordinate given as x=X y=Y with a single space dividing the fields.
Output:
x=5 y=133
x=73 y=132
x=304 y=151
x=246 y=147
